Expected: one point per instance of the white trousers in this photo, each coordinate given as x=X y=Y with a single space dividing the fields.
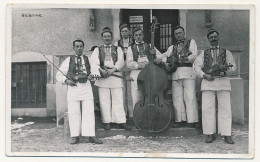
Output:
x=128 y=101
x=136 y=94
x=81 y=122
x=184 y=100
x=111 y=104
x=209 y=112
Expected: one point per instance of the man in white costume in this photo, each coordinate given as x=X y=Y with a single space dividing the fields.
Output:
x=183 y=79
x=124 y=43
x=109 y=59
x=212 y=66
x=137 y=59
x=79 y=122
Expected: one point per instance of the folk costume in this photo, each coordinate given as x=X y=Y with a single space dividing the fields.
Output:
x=84 y=123
x=219 y=87
x=183 y=81
x=124 y=44
x=110 y=88
x=138 y=53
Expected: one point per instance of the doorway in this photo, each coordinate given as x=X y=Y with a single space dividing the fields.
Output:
x=167 y=20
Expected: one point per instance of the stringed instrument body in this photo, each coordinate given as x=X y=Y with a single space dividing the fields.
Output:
x=152 y=113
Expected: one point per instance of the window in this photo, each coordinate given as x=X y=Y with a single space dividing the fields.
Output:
x=28 y=88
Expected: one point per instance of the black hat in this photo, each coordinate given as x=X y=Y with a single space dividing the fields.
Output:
x=106 y=29
x=123 y=26
x=210 y=31
x=136 y=29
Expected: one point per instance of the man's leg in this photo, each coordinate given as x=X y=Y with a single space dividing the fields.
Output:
x=190 y=100
x=135 y=93
x=74 y=118
x=105 y=104
x=118 y=114
x=208 y=112
x=225 y=115
x=129 y=96
x=178 y=103
x=88 y=118
x=88 y=121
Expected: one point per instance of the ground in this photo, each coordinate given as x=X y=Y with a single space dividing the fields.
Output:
x=44 y=136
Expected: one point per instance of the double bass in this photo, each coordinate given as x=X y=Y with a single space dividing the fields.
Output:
x=152 y=113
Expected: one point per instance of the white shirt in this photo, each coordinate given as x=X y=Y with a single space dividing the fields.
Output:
x=111 y=81
x=184 y=72
x=219 y=83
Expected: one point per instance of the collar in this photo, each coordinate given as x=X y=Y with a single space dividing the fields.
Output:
x=78 y=55
x=214 y=48
x=107 y=46
x=139 y=43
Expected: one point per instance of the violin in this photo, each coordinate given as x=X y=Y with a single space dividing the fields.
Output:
x=215 y=70
x=83 y=78
x=152 y=113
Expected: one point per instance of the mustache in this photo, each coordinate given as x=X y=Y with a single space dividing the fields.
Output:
x=214 y=41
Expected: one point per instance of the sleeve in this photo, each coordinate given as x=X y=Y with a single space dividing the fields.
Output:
x=64 y=69
x=193 y=49
x=131 y=64
x=116 y=43
x=230 y=60
x=94 y=62
x=198 y=65
x=120 y=60
x=167 y=53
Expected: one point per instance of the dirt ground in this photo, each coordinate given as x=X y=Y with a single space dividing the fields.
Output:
x=44 y=136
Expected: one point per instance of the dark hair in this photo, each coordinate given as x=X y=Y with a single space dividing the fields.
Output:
x=211 y=31
x=105 y=30
x=178 y=27
x=78 y=40
x=136 y=29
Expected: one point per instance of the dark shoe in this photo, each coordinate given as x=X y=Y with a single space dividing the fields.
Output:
x=210 y=138
x=229 y=140
x=95 y=140
x=124 y=126
x=107 y=126
x=74 y=140
x=177 y=125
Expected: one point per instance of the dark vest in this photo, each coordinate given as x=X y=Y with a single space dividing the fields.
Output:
x=102 y=54
x=185 y=52
x=72 y=66
x=121 y=45
x=136 y=53
x=208 y=58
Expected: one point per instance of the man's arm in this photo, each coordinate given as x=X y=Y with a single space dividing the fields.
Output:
x=193 y=49
x=131 y=64
x=230 y=60
x=64 y=69
x=198 y=65
x=94 y=62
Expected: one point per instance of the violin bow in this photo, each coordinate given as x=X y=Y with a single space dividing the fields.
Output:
x=58 y=69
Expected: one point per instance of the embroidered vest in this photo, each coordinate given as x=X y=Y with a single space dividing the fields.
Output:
x=136 y=53
x=124 y=49
x=221 y=60
x=208 y=60
x=185 y=52
x=72 y=66
x=102 y=54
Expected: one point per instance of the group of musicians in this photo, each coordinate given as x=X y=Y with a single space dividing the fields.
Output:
x=119 y=65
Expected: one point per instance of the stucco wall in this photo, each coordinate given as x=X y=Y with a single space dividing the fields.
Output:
x=55 y=30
